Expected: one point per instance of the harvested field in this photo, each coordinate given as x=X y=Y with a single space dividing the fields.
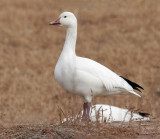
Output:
x=122 y=35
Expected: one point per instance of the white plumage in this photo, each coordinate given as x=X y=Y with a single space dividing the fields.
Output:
x=83 y=76
x=100 y=80
x=108 y=113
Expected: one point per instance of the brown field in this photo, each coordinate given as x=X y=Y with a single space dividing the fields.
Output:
x=122 y=35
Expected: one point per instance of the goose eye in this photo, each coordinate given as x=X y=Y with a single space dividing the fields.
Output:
x=65 y=16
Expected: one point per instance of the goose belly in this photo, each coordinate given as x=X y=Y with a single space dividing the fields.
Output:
x=78 y=82
x=88 y=85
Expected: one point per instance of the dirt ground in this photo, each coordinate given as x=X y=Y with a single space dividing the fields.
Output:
x=73 y=130
x=122 y=35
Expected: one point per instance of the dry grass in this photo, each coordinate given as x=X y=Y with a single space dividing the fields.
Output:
x=73 y=130
x=124 y=36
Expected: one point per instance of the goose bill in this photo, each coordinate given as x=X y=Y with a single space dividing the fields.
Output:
x=55 y=22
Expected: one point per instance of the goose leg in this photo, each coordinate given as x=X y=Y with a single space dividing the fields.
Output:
x=86 y=111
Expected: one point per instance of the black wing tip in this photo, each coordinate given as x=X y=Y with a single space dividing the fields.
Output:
x=133 y=84
x=138 y=89
x=144 y=114
x=140 y=86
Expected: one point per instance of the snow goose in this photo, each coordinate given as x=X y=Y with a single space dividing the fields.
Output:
x=108 y=113
x=83 y=76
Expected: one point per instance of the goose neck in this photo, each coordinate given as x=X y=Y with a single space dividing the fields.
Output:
x=71 y=37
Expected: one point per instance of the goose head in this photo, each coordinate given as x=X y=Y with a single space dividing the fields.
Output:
x=66 y=19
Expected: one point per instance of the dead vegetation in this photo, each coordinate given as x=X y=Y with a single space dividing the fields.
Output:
x=72 y=130
x=124 y=36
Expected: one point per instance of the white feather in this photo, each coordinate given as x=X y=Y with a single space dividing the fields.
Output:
x=84 y=76
x=108 y=113
x=113 y=114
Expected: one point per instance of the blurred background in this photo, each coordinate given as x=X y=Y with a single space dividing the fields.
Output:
x=122 y=35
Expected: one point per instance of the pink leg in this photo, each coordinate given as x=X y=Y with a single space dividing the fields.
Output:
x=86 y=110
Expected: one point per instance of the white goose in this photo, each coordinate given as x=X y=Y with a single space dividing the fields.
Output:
x=84 y=76
x=108 y=113
x=101 y=112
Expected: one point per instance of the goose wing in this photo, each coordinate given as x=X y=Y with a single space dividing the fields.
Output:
x=110 y=79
